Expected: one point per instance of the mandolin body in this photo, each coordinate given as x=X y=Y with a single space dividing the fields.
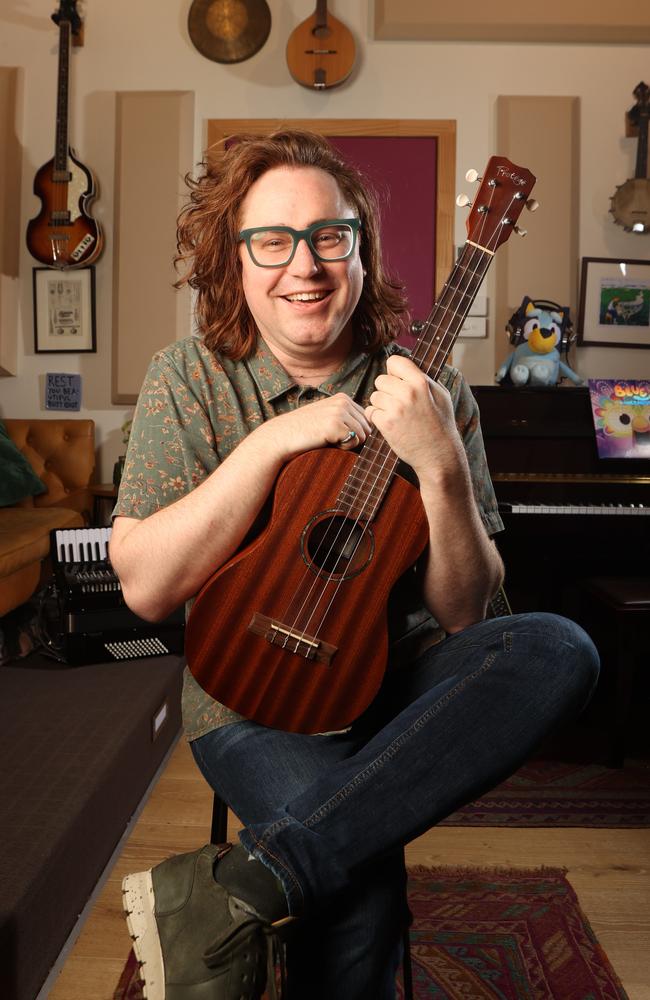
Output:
x=289 y=583
x=320 y=52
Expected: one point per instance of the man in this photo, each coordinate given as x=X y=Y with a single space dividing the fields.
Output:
x=297 y=319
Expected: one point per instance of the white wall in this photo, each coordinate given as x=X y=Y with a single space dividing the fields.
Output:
x=145 y=45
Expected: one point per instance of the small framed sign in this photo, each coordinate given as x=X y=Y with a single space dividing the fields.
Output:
x=62 y=391
x=64 y=310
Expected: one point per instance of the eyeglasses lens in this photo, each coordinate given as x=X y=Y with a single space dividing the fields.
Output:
x=275 y=247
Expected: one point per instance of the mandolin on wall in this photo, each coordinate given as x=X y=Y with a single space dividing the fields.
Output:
x=64 y=234
x=321 y=50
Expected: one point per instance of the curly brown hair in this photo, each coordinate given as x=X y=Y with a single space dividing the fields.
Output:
x=207 y=240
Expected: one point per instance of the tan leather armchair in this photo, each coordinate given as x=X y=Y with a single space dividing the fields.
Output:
x=62 y=454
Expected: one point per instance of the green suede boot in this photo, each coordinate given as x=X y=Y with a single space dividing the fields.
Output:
x=194 y=940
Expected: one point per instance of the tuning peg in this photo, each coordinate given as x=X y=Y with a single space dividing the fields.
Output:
x=463 y=201
x=532 y=204
x=472 y=176
x=521 y=232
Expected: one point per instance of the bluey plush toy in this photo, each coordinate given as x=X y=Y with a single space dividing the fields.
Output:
x=537 y=328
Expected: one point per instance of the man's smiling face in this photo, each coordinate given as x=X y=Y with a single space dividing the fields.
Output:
x=304 y=308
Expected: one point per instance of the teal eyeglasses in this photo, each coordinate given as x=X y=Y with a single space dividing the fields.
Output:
x=275 y=246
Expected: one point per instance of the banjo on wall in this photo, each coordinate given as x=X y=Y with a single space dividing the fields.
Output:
x=631 y=202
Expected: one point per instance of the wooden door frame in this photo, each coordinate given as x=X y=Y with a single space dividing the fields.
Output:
x=444 y=131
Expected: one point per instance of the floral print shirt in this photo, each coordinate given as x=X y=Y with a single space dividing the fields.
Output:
x=195 y=407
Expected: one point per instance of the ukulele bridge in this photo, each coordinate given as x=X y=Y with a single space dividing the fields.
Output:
x=279 y=634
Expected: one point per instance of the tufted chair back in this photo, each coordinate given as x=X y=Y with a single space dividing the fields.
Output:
x=62 y=454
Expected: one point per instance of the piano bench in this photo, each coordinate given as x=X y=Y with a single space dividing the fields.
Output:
x=621 y=608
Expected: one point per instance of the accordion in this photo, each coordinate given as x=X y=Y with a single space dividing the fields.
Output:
x=95 y=625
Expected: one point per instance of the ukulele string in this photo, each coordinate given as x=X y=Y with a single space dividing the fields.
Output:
x=384 y=459
x=439 y=352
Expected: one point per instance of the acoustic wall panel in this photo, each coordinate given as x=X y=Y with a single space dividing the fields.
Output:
x=544 y=265
x=154 y=151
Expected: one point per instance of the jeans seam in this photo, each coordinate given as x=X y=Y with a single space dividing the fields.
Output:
x=265 y=849
x=391 y=750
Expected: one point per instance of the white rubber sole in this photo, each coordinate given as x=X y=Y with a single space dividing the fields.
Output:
x=138 y=903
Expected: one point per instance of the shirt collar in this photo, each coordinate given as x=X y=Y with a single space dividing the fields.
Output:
x=273 y=381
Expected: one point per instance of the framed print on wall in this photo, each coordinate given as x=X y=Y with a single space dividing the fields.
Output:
x=614 y=303
x=64 y=310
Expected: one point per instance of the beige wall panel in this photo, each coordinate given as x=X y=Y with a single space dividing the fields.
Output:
x=154 y=150
x=542 y=134
x=510 y=20
x=10 y=230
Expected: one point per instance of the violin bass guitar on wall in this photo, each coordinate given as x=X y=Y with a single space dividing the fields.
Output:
x=63 y=234
x=320 y=51
x=631 y=202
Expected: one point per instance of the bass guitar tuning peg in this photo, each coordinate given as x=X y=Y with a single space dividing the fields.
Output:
x=521 y=232
x=463 y=201
x=472 y=176
x=532 y=204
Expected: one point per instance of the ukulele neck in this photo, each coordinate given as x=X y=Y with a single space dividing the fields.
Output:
x=375 y=465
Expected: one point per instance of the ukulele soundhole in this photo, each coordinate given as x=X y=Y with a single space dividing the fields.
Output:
x=337 y=546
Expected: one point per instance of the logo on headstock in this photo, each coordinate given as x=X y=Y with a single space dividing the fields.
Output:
x=511 y=175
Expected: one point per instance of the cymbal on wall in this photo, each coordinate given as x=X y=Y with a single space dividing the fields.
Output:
x=229 y=31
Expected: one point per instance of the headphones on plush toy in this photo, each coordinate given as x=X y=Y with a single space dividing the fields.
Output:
x=516 y=323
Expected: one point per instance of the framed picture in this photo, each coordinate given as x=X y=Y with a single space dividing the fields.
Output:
x=64 y=310
x=614 y=306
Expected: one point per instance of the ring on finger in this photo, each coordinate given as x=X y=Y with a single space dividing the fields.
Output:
x=350 y=436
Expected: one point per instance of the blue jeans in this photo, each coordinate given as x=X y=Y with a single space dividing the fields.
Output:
x=330 y=815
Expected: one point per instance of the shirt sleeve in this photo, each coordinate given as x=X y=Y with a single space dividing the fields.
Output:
x=469 y=426
x=171 y=446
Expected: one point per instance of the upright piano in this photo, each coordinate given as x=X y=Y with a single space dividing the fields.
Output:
x=568 y=514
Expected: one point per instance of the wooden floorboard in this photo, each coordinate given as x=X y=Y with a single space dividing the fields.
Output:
x=609 y=869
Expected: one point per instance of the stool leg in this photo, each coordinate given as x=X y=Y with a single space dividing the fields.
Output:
x=219 y=828
x=628 y=642
x=407 y=969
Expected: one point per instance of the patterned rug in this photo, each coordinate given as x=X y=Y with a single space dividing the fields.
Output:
x=511 y=935
x=491 y=935
x=556 y=793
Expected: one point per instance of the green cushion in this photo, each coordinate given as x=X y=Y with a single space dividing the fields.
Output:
x=17 y=478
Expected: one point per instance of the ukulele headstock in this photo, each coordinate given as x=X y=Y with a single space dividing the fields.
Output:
x=500 y=200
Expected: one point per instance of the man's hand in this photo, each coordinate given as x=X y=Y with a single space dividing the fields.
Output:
x=315 y=425
x=416 y=416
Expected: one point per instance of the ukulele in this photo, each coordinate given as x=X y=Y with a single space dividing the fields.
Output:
x=63 y=234
x=320 y=51
x=631 y=202
x=292 y=630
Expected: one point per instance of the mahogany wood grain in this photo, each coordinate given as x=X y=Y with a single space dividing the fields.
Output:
x=274 y=686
